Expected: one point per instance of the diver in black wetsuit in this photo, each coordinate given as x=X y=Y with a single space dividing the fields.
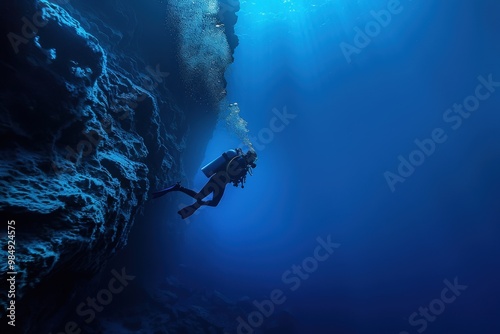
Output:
x=231 y=167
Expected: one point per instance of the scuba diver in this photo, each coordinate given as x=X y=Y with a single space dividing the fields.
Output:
x=231 y=167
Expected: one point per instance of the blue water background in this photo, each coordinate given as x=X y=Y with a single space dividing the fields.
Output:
x=323 y=174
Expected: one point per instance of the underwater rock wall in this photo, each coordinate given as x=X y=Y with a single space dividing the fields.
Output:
x=99 y=102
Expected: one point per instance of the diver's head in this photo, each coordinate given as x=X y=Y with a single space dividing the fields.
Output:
x=251 y=157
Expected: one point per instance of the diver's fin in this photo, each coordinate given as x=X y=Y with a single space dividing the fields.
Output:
x=189 y=210
x=166 y=190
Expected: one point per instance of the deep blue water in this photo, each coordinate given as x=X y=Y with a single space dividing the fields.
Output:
x=322 y=174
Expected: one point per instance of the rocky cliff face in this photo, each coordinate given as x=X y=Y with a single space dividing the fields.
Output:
x=100 y=101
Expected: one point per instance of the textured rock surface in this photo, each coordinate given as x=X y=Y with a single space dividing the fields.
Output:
x=97 y=108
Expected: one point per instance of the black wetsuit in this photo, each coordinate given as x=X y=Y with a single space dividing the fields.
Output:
x=234 y=172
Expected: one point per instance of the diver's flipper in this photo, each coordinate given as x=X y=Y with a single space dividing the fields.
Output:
x=189 y=210
x=166 y=190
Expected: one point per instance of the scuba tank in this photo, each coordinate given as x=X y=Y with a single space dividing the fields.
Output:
x=220 y=163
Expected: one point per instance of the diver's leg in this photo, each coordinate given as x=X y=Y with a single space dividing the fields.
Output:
x=188 y=192
x=216 y=197
x=210 y=187
x=204 y=192
x=190 y=209
x=176 y=187
x=220 y=180
x=160 y=193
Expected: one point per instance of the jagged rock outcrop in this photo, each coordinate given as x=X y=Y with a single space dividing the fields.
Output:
x=96 y=109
